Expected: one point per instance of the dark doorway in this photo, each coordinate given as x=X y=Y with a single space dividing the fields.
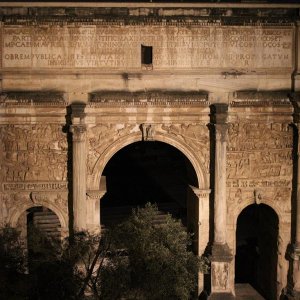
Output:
x=43 y=230
x=256 y=249
x=146 y=172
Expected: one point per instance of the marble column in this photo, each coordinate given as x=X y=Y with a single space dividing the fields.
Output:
x=220 y=207
x=221 y=281
x=200 y=224
x=78 y=130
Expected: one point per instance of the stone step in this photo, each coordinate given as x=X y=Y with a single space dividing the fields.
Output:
x=47 y=222
x=244 y=291
x=115 y=215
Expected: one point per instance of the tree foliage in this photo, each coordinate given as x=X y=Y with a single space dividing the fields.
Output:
x=12 y=265
x=139 y=259
x=157 y=263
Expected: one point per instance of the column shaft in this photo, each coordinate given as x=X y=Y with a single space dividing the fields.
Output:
x=220 y=209
x=79 y=176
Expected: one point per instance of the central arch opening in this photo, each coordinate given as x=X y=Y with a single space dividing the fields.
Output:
x=144 y=172
x=256 y=249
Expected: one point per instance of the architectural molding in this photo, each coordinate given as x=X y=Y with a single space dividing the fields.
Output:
x=123 y=98
x=264 y=99
x=34 y=98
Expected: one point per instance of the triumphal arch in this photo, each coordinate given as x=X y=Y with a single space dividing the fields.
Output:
x=216 y=83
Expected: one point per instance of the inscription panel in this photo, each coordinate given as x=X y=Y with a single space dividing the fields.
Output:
x=119 y=47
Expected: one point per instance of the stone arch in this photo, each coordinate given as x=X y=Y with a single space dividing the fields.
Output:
x=269 y=202
x=13 y=220
x=113 y=148
x=276 y=211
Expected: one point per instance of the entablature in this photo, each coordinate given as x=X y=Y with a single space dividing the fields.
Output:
x=264 y=106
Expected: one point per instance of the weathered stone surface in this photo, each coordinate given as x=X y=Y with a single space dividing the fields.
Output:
x=244 y=58
x=119 y=47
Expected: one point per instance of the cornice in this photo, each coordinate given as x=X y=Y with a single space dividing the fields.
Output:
x=264 y=99
x=32 y=99
x=179 y=21
x=150 y=4
x=123 y=98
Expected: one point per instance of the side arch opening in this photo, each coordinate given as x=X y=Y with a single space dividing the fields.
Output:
x=256 y=249
x=38 y=225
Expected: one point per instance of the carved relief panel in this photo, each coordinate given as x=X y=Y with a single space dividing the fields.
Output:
x=259 y=163
x=33 y=168
x=33 y=153
x=220 y=276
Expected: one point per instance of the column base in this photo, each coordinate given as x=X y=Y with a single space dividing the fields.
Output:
x=221 y=253
x=221 y=296
x=293 y=286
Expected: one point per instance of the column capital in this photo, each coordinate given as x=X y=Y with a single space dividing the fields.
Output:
x=201 y=193
x=79 y=132
x=221 y=252
x=95 y=194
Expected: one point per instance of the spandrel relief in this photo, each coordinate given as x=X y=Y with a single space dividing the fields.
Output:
x=20 y=201
x=195 y=136
x=33 y=153
x=259 y=158
x=103 y=135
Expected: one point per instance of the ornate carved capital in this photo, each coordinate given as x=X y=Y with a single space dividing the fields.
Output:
x=201 y=193
x=79 y=132
x=95 y=195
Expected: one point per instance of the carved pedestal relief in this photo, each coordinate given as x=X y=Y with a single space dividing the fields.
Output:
x=220 y=275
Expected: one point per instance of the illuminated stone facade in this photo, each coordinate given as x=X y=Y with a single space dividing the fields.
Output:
x=219 y=83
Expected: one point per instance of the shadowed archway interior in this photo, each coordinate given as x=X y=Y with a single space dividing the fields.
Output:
x=146 y=172
x=256 y=249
